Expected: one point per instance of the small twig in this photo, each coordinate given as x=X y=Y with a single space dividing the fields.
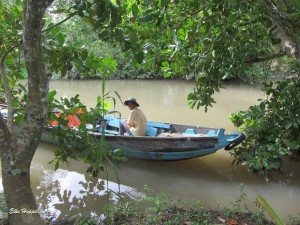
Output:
x=55 y=25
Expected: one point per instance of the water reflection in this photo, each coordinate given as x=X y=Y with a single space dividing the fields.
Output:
x=66 y=192
x=211 y=179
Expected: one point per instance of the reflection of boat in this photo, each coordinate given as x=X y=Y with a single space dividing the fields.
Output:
x=163 y=141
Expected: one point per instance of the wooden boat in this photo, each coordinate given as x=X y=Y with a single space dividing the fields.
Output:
x=163 y=141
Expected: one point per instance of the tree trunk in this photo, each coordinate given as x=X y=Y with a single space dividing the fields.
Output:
x=20 y=200
x=19 y=146
x=286 y=30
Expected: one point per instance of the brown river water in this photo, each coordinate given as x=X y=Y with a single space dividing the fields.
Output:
x=210 y=179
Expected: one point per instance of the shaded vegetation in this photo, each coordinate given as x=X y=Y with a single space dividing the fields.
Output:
x=176 y=215
x=272 y=127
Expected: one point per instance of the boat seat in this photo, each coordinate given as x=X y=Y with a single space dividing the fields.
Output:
x=107 y=117
x=151 y=131
x=159 y=125
x=99 y=130
x=111 y=132
x=114 y=122
x=151 y=128
x=190 y=131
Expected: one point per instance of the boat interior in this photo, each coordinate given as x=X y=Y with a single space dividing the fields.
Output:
x=158 y=129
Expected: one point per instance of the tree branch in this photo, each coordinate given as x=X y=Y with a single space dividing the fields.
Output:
x=61 y=22
x=191 y=15
x=285 y=30
x=264 y=59
x=10 y=50
x=9 y=97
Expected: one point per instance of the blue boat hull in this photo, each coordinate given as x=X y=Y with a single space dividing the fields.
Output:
x=170 y=141
x=228 y=140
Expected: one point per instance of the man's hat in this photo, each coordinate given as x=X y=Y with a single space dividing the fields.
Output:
x=131 y=100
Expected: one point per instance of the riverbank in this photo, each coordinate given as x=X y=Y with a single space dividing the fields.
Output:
x=178 y=216
x=173 y=215
x=160 y=209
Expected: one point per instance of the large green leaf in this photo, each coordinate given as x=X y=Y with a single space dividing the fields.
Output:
x=61 y=38
x=135 y=10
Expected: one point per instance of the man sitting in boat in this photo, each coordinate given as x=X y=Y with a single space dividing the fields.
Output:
x=135 y=125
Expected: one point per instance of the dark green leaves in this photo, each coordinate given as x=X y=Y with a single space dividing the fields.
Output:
x=296 y=3
x=77 y=143
x=140 y=57
x=272 y=128
x=61 y=38
x=135 y=10
x=292 y=144
x=148 y=18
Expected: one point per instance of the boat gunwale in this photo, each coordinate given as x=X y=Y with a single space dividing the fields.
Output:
x=112 y=136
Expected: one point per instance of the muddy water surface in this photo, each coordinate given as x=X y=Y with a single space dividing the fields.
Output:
x=211 y=179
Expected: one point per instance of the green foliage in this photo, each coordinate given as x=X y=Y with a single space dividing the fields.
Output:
x=74 y=56
x=10 y=42
x=76 y=44
x=209 y=40
x=10 y=27
x=78 y=142
x=86 y=221
x=206 y=40
x=162 y=209
x=272 y=128
x=258 y=73
x=239 y=204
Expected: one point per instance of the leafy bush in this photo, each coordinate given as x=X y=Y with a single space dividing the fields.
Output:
x=272 y=128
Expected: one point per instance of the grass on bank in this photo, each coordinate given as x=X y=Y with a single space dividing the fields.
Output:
x=158 y=209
